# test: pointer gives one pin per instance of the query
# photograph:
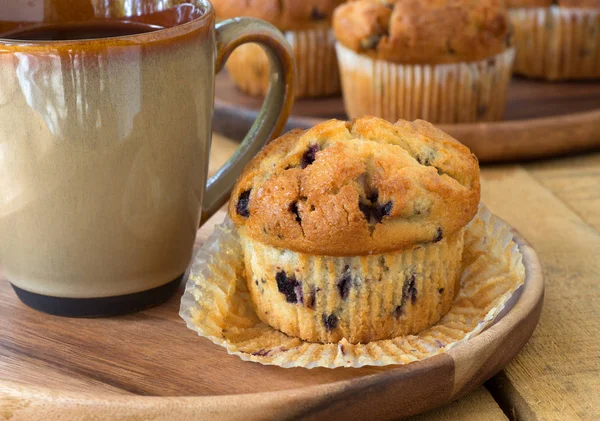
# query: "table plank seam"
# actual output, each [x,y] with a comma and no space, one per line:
[514,406]
[583,219]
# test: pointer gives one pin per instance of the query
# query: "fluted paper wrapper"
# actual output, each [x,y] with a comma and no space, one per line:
[359,298]
[557,43]
[439,93]
[217,305]
[316,64]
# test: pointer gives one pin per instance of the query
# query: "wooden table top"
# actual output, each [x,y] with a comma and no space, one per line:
[555,204]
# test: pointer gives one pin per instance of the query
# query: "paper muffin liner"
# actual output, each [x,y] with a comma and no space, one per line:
[440,93]
[557,43]
[316,64]
[217,305]
[361,298]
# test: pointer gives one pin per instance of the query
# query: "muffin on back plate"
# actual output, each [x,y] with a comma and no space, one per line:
[306,25]
[445,61]
[557,40]
[355,229]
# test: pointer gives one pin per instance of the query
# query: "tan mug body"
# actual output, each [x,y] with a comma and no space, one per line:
[104,147]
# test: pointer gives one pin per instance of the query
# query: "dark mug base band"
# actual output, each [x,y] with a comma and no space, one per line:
[98,307]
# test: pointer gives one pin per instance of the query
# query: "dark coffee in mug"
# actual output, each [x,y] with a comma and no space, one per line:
[78,31]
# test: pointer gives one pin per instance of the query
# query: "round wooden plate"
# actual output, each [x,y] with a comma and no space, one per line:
[542,119]
[150,366]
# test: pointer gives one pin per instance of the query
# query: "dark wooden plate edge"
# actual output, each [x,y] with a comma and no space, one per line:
[504,141]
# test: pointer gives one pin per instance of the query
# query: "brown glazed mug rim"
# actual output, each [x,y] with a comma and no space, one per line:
[165,34]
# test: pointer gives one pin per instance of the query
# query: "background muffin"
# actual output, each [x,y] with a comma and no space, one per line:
[557,39]
[355,230]
[307,27]
[446,61]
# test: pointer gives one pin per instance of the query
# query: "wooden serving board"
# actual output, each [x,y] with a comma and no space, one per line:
[150,366]
[542,119]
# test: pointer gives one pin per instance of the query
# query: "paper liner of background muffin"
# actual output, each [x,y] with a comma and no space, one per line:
[463,92]
[217,305]
[316,64]
[557,42]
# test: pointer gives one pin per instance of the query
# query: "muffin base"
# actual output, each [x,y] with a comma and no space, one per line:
[557,43]
[316,64]
[217,305]
[442,93]
[362,299]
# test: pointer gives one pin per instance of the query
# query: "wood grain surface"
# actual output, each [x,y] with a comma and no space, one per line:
[477,406]
[542,119]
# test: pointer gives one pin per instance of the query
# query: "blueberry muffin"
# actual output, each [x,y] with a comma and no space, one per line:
[306,25]
[355,230]
[557,39]
[445,61]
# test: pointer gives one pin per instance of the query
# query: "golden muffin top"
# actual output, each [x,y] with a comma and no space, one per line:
[357,188]
[584,4]
[423,31]
[284,14]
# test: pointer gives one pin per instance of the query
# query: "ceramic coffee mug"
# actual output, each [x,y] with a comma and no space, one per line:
[105,132]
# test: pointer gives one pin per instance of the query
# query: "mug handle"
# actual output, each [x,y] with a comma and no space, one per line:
[274,112]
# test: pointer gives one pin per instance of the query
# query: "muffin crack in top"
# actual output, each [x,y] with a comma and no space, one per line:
[357,188]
